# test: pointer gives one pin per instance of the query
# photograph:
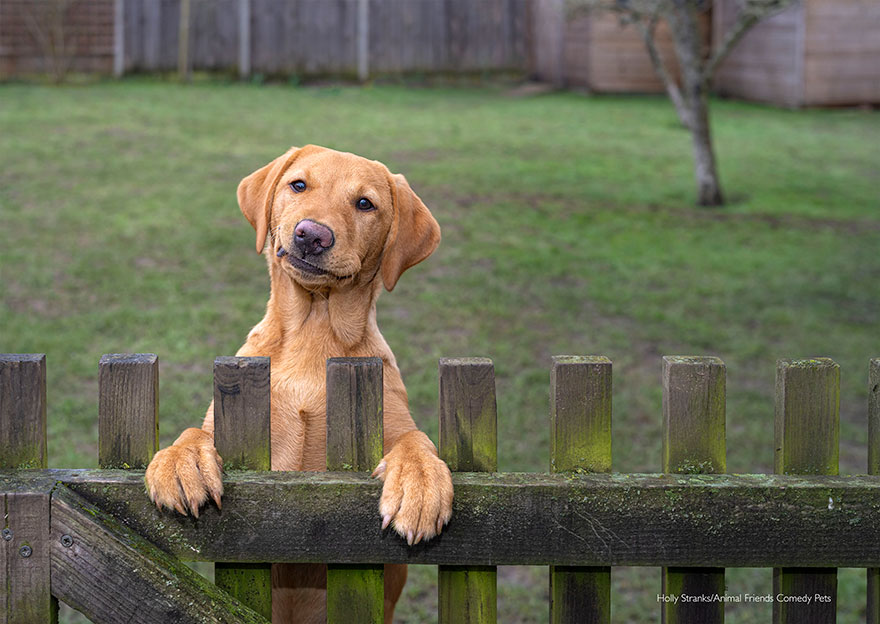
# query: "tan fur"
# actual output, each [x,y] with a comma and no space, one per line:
[310,318]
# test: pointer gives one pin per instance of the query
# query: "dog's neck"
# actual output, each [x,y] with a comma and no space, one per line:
[347,313]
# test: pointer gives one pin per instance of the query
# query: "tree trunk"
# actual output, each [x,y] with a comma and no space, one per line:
[682,20]
[708,187]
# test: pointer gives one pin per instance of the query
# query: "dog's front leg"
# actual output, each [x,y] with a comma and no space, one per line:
[183,475]
[417,492]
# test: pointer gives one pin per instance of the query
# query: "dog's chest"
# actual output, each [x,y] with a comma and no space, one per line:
[299,394]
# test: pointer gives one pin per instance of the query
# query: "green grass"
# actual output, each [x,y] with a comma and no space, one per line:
[568,225]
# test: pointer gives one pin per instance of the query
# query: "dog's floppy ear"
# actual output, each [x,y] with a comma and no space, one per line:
[257,192]
[414,234]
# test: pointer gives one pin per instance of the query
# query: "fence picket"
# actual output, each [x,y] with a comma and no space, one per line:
[468,443]
[128,410]
[355,593]
[580,440]
[242,416]
[99,512]
[24,549]
[873,610]
[806,434]
[694,390]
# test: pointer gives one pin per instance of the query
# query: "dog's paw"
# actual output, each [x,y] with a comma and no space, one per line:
[417,492]
[183,475]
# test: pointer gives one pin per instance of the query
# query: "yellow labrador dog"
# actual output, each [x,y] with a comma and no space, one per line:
[337,227]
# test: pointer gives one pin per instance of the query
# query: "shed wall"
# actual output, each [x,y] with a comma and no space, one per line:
[842,52]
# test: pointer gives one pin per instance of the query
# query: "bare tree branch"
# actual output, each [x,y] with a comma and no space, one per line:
[750,14]
[647,31]
[47,28]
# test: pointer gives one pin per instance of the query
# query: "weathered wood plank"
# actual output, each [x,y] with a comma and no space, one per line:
[580,441]
[22,410]
[807,430]
[242,412]
[242,424]
[118,38]
[355,593]
[354,414]
[28,587]
[467,593]
[468,441]
[873,608]
[580,414]
[694,415]
[694,411]
[468,419]
[128,410]
[244,38]
[24,573]
[114,575]
[654,519]
[5,537]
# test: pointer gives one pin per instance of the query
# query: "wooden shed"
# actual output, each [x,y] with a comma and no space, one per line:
[595,51]
[815,53]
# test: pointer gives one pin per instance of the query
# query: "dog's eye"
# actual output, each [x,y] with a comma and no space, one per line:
[364,204]
[298,186]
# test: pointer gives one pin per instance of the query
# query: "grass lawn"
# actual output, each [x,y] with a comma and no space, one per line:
[568,227]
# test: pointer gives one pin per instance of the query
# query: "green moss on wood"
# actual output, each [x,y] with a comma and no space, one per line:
[355,594]
[249,583]
[467,594]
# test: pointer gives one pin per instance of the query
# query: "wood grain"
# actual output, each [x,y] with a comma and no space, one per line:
[468,441]
[128,410]
[873,609]
[354,414]
[25,580]
[565,519]
[694,408]
[242,425]
[355,593]
[23,410]
[114,575]
[29,592]
[807,431]
[580,441]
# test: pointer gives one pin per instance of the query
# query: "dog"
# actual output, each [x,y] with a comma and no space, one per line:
[336,228]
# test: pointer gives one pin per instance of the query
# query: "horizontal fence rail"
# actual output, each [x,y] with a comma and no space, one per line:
[93,539]
[511,519]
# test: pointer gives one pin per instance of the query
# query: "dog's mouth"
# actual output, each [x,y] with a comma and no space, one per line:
[303,265]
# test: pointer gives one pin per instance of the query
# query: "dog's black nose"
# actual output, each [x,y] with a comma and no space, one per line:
[312,238]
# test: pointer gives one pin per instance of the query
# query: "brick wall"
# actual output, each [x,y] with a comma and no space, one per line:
[56,35]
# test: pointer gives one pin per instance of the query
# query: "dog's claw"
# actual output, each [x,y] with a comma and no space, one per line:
[386,520]
[419,537]
[380,470]
[409,538]
[439,525]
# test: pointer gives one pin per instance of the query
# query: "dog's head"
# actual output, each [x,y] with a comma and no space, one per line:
[333,218]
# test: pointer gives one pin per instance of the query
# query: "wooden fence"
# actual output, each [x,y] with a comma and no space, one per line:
[92,538]
[328,37]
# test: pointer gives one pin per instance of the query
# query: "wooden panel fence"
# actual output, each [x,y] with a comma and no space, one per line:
[328,37]
[93,539]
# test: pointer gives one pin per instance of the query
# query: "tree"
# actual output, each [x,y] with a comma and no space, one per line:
[690,93]
[47,22]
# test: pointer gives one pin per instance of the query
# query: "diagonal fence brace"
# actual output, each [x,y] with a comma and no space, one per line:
[113,575]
